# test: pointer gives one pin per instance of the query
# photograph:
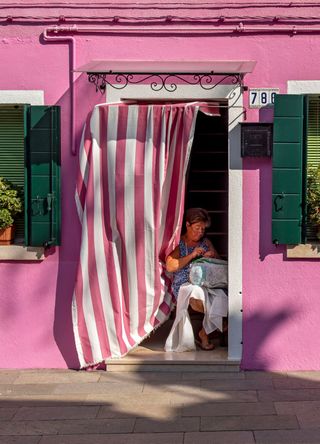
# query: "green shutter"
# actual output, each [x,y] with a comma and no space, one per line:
[288,169]
[12,152]
[43,176]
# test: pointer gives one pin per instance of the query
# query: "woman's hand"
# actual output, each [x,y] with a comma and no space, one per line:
[209,254]
[197,252]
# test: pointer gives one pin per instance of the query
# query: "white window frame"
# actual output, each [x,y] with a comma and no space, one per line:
[301,251]
[19,252]
[235,205]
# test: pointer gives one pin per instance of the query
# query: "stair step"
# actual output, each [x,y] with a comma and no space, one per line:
[173,366]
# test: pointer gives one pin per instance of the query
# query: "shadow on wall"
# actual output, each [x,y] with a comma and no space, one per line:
[86,99]
[264,325]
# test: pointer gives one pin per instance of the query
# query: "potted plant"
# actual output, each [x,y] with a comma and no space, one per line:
[10,206]
[313,198]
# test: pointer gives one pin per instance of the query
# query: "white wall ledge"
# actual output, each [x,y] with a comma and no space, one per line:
[21,253]
[304,251]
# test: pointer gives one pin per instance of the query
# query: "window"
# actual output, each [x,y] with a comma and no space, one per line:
[296,148]
[30,159]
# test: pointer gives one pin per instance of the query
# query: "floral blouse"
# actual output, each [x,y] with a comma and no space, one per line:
[182,276]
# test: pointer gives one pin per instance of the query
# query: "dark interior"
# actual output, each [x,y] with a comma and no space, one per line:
[207,178]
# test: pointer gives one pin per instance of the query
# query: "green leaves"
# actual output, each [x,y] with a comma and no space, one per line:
[313,195]
[10,203]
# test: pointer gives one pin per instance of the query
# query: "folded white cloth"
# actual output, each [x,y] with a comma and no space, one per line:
[215,301]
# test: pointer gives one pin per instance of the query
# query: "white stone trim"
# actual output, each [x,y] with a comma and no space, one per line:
[221,92]
[303,87]
[31,97]
[21,253]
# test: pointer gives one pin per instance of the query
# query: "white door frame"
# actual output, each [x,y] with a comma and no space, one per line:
[235,116]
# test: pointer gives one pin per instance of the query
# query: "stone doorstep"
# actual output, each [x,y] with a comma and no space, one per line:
[134,365]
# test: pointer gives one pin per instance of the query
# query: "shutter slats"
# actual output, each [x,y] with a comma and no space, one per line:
[313,146]
[12,152]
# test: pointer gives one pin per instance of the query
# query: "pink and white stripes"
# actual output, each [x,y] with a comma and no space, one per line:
[130,200]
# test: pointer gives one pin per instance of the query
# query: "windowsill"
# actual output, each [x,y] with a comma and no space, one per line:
[21,253]
[307,251]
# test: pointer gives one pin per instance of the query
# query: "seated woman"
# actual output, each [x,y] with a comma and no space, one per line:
[193,245]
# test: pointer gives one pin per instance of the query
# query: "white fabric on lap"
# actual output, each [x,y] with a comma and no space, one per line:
[215,301]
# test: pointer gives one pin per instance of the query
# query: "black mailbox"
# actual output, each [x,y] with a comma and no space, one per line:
[256,139]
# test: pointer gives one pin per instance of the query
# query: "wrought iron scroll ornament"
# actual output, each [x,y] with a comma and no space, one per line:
[168,82]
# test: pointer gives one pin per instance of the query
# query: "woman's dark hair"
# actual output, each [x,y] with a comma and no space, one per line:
[194,215]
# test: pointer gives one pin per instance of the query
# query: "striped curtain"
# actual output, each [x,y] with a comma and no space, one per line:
[130,200]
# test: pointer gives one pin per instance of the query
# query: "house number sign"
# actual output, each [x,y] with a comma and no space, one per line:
[259,97]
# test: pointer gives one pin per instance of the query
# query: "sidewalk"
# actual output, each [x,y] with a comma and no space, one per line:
[70,407]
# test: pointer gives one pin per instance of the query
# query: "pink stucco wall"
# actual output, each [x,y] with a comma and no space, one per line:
[280,297]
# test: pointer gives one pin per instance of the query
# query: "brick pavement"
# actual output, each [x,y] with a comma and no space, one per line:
[70,407]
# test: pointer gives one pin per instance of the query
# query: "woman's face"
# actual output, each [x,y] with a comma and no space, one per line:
[196,230]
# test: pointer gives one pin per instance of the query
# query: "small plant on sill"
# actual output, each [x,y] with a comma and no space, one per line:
[313,197]
[10,206]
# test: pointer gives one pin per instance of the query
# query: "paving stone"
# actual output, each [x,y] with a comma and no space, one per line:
[255,384]
[218,438]
[112,425]
[264,375]
[229,409]
[7,413]
[141,410]
[102,387]
[176,425]
[32,389]
[29,427]
[190,376]
[262,422]
[59,412]
[56,378]
[287,437]
[295,383]
[66,427]
[127,399]
[195,395]
[309,420]
[307,412]
[20,439]
[123,377]
[289,395]
[296,407]
[151,386]
[42,400]
[136,438]
[217,396]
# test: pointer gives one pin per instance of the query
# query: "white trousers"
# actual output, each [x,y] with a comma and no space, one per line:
[215,302]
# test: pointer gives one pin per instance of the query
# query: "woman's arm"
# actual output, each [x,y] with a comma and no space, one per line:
[212,252]
[174,262]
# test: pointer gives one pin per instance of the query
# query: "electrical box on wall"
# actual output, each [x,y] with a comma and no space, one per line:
[256,139]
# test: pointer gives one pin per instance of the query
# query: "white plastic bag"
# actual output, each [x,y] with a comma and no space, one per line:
[209,272]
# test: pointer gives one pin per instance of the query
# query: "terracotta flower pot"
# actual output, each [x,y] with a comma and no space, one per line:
[7,235]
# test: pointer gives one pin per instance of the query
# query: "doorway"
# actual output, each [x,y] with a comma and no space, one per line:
[232,110]
[206,187]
